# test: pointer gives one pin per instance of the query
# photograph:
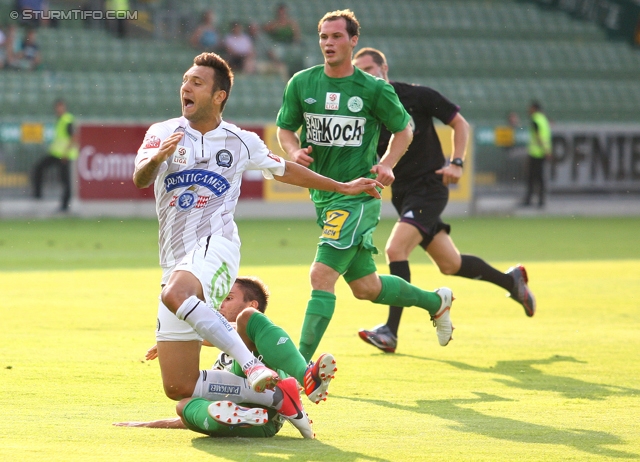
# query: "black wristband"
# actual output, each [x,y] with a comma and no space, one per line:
[457,161]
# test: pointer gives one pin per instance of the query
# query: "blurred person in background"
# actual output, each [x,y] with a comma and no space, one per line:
[4,55]
[120,7]
[420,194]
[266,60]
[539,150]
[28,56]
[285,39]
[206,37]
[239,50]
[34,21]
[62,151]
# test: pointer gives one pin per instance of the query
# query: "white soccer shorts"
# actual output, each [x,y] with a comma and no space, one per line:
[214,261]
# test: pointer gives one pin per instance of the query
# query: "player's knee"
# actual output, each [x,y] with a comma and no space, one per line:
[364,293]
[395,253]
[180,406]
[172,297]
[448,268]
[178,392]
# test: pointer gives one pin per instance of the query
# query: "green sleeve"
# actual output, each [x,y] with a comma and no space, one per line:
[390,111]
[290,116]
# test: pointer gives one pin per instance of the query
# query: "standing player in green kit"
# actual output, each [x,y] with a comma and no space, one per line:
[340,109]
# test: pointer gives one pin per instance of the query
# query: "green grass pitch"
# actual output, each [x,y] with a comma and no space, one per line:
[78,313]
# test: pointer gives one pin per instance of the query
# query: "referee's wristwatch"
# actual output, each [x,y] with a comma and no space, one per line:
[457,161]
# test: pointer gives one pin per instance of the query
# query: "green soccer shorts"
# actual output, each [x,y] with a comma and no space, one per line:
[346,242]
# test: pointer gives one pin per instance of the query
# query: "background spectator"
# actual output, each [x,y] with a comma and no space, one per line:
[206,37]
[283,28]
[539,151]
[4,58]
[62,151]
[286,40]
[41,6]
[120,24]
[28,56]
[266,60]
[240,52]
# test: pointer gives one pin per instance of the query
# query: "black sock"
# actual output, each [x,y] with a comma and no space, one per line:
[473,267]
[400,269]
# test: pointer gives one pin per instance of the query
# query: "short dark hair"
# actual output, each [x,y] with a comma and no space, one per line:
[353,26]
[535,104]
[252,289]
[378,57]
[222,73]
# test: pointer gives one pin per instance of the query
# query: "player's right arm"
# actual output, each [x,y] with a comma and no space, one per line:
[290,118]
[290,143]
[147,168]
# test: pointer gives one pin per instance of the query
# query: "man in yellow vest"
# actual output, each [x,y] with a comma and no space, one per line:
[539,150]
[62,151]
[120,9]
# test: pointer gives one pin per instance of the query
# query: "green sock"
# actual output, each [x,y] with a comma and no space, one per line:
[275,346]
[319,313]
[197,417]
[398,292]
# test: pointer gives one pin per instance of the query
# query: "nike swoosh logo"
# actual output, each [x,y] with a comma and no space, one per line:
[295,405]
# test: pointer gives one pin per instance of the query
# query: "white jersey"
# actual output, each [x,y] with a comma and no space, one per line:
[197,188]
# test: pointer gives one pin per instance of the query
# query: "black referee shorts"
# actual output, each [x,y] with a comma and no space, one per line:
[420,202]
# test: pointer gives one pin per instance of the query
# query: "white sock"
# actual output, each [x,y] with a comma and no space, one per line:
[215,385]
[213,327]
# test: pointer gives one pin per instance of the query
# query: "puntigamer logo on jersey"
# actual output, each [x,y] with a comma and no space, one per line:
[215,183]
[325,130]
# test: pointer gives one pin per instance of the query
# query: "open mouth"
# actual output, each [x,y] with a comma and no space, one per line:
[187,103]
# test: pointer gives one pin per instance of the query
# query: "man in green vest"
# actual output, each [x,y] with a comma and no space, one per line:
[539,150]
[62,151]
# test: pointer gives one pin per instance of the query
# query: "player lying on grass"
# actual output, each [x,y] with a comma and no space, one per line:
[246,304]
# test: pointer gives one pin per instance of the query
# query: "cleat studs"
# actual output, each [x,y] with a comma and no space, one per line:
[217,416]
[228,420]
[218,404]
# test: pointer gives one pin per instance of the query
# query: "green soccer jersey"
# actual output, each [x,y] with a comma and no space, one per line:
[340,119]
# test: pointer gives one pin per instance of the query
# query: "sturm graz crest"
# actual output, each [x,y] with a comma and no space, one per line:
[186,201]
[224,158]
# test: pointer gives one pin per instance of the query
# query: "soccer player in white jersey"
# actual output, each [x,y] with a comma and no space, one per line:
[196,162]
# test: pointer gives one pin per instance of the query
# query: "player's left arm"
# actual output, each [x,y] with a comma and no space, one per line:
[398,145]
[452,173]
[298,175]
[388,109]
[175,423]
